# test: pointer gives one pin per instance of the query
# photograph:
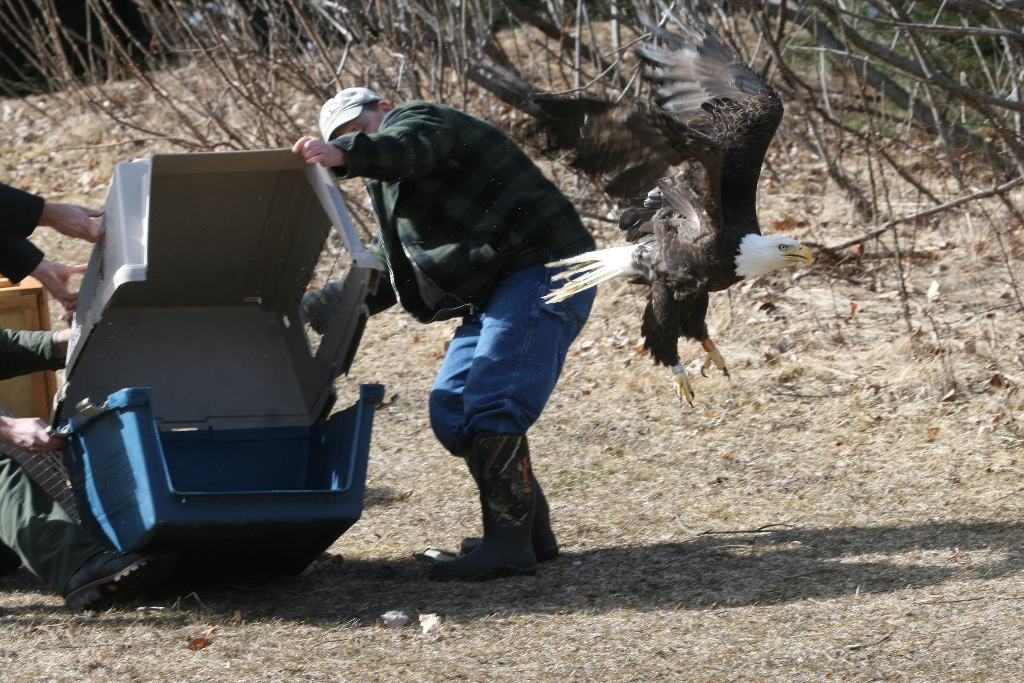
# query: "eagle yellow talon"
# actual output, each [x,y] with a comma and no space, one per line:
[713,357]
[681,383]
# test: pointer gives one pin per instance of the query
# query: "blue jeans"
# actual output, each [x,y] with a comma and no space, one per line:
[503,362]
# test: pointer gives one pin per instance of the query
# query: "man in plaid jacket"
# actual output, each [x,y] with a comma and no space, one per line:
[466,223]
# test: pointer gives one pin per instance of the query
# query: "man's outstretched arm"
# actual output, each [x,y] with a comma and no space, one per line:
[413,143]
[23,352]
[415,140]
[21,212]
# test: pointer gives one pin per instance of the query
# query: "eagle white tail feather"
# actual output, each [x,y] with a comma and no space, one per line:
[591,269]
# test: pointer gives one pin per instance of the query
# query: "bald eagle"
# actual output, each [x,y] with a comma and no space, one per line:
[694,230]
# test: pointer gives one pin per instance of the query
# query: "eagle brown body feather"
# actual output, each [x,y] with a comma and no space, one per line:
[712,117]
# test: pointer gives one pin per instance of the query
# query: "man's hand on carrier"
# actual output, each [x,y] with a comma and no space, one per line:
[62,338]
[316,151]
[72,220]
[28,433]
[55,277]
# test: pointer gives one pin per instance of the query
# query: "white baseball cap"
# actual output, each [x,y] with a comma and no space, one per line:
[343,107]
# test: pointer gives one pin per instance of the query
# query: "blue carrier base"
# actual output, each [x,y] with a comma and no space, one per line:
[240,502]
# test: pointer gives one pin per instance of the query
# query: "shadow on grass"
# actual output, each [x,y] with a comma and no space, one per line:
[381,496]
[722,570]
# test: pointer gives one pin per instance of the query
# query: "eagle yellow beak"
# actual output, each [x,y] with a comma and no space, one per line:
[802,254]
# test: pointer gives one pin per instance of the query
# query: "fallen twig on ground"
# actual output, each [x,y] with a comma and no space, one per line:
[881,640]
[766,529]
[994,598]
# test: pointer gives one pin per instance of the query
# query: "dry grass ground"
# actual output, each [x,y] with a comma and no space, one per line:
[821,515]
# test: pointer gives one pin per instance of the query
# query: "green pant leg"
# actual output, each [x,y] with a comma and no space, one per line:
[51,544]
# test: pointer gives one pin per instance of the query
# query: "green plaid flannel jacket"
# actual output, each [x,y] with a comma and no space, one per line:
[459,208]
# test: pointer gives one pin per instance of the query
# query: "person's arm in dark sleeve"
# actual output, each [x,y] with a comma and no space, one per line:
[24,352]
[20,211]
[415,141]
[18,257]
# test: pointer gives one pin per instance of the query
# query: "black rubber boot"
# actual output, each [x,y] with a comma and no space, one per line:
[107,575]
[545,546]
[500,464]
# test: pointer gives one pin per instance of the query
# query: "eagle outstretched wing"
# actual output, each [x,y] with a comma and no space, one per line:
[712,91]
[709,107]
[632,145]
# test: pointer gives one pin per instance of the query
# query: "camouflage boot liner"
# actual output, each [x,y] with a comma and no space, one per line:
[500,464]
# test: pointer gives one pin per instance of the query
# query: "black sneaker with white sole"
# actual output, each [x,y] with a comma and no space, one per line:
[108,575]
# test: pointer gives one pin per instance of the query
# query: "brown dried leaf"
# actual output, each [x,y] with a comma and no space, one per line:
[784,225]
[199,643]
[236,616]
[997,380]
[205,638]
[933,432]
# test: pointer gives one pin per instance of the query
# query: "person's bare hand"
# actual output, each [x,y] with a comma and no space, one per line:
[28,433]
[55,277]
[316,151]
[62,338]
[72,220]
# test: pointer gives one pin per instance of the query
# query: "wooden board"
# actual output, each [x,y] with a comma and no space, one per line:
[24,307]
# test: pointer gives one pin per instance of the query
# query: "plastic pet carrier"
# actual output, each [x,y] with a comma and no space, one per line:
[196,399]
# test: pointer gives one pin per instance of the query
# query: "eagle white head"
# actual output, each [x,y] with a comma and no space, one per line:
[759,255]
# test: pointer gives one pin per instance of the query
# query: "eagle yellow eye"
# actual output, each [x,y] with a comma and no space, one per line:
[783,247]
